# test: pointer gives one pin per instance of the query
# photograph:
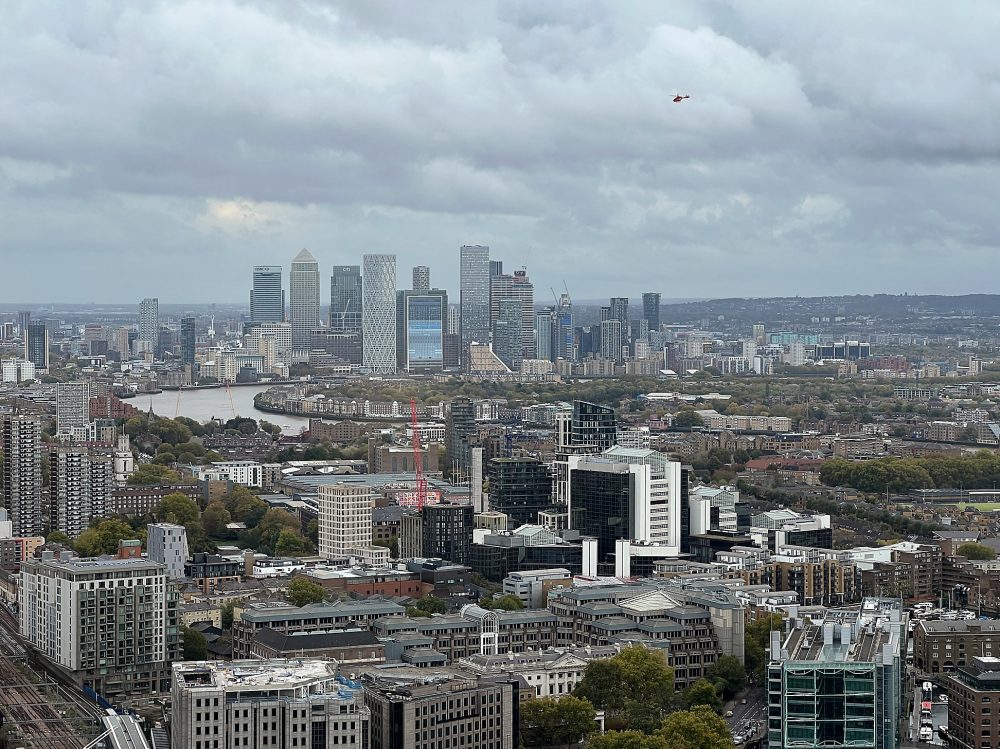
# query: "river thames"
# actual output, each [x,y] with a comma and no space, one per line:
[202,405]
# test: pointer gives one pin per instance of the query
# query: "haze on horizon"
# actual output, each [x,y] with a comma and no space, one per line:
[163,149]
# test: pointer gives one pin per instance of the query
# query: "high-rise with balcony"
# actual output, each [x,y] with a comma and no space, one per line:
[108,622]
[345,519]
[507,338]
[188,340]
[378,317]
[22,474]
[72,405]
[267,297]
[80,488]
[303,299]
[149,321]
[474,295]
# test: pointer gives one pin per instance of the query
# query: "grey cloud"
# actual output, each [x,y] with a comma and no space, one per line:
[822,146]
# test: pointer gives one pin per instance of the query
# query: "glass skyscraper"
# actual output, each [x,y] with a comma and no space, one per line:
[507,333]
[420,322]
[651,309]
[474,297]
[345,299]
[267,298]
[378,315]
[303,298]
[187,340]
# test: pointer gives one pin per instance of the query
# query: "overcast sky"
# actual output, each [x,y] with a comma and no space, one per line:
[161,149]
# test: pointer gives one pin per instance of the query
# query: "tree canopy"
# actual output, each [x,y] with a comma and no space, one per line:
[756,641]
[636,686]
[103,537]
[195,645]
[556,722]
[976,551]
[703,692]
[302,592]
[508,602]
[177,508]
[728,675]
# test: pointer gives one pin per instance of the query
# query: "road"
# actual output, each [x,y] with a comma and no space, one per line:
[754,711]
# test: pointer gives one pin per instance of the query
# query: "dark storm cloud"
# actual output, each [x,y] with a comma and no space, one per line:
[826,148]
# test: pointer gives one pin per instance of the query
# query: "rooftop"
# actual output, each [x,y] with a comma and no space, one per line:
[253,674]
[854,635]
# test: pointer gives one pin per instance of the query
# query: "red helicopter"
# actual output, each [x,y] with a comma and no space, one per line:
[680,97]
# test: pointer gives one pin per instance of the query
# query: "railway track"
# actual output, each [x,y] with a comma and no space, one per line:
[32,705]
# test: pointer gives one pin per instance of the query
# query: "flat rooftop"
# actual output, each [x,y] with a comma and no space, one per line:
[854,635]
[253,674]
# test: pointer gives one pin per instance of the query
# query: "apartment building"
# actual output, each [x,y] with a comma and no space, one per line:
[973,693]
[107,622]
[941,647]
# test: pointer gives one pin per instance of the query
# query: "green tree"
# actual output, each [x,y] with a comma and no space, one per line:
[291,544]
[267,533]
[976,551]
[431,604]
[756,641]
[703,692]
[244,506]
[557,722]
[228,609]
[215,518]
[58,537]
[508,602]
[302,592]
[636,686]
[195,645]
[728,674]
[697,728]
[626,740]
[103,537]
[177,508]
[150,474]
[688,418]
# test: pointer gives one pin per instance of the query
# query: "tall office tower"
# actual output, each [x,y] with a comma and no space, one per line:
[421,278]
[378,315]
[651,309]
[543,334]
[460,429]
[149,320]
[36,345]
[758,333]
[164,343]
[627,494]
[836,679]
[345,520]
[619,312]
[303,299]
[22,474]
[167,544]
[507,342]
[420,321]
[72,405]
[267,297]
[345,299]
[563,346]
[188,339]
[520,488]
[116,626]
[454,319]
[80,488]
[285,705]
[23,318]
[496,268]
[474,295]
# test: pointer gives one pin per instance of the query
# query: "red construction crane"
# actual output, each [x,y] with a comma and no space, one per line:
[418,467]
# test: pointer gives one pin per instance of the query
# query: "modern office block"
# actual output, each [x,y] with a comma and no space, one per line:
[459,432]
[345,299]
[303,298]
[420,321]
[36,345]
[188,340]
[520,488]
[267,297]
[378,316]
[345,520]
[446,532]
[507,341]
[421,278]
[651,309]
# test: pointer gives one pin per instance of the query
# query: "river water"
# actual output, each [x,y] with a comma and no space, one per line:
[202,405]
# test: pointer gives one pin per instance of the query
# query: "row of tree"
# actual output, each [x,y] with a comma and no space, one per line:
[978,471]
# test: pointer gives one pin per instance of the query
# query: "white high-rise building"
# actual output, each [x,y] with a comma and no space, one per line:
[279,332]
[167,544]
[378,314]
[20,440]
[111,622]
[279,704]
[345,520]
[149,321]
[303,299]
[17,370]
[421,278]
[72,405]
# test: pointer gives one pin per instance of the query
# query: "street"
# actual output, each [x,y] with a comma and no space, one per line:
[753,712]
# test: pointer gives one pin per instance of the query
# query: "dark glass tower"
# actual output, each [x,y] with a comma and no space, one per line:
[593,426]
[651,309]
[519,488]
[345,299]
[446,532]
[187,340]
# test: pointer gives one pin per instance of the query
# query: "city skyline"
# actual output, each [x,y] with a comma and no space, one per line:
[555,142]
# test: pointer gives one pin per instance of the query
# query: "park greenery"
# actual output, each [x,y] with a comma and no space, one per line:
[507,602]
[978,471]
[550,721]
[756,641]
[697,728]
[979,552]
